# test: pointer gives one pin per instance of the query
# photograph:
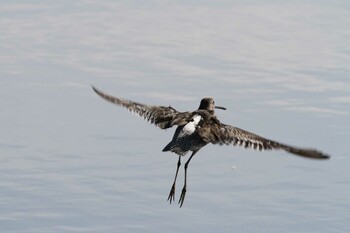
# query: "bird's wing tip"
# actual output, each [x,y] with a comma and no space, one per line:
[314,155]
[324,156]
[97,90]
[93,87]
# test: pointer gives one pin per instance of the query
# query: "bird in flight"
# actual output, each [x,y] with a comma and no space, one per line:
[197,129]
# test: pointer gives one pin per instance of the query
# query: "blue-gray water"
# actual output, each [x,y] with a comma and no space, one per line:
[71,162]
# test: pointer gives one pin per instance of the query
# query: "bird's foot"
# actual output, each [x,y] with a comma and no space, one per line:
[171,196]
[182,197]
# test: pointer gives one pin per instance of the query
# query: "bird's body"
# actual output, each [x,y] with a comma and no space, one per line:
[186,138]
[198,128]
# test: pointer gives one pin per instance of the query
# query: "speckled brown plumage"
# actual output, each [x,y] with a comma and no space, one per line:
[200,127]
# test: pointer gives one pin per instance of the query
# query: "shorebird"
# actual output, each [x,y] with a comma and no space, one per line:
[197,129]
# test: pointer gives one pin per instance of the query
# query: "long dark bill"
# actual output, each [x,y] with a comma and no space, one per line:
[219,107]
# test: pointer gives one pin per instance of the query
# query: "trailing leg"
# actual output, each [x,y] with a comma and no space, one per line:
[171,196]
[183,192]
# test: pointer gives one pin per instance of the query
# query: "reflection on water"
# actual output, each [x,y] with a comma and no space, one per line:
[70,162]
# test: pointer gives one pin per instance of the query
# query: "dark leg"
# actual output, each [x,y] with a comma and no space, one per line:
[183,192]
[171,196]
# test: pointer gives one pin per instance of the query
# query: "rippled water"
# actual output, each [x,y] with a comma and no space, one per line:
[70,162]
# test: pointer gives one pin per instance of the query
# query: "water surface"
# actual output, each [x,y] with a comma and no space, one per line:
[70,162]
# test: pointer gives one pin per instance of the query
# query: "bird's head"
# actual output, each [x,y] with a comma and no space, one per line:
[209,104]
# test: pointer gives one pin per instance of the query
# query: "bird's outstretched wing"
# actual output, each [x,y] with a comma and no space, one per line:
[163,117]
[227,134]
